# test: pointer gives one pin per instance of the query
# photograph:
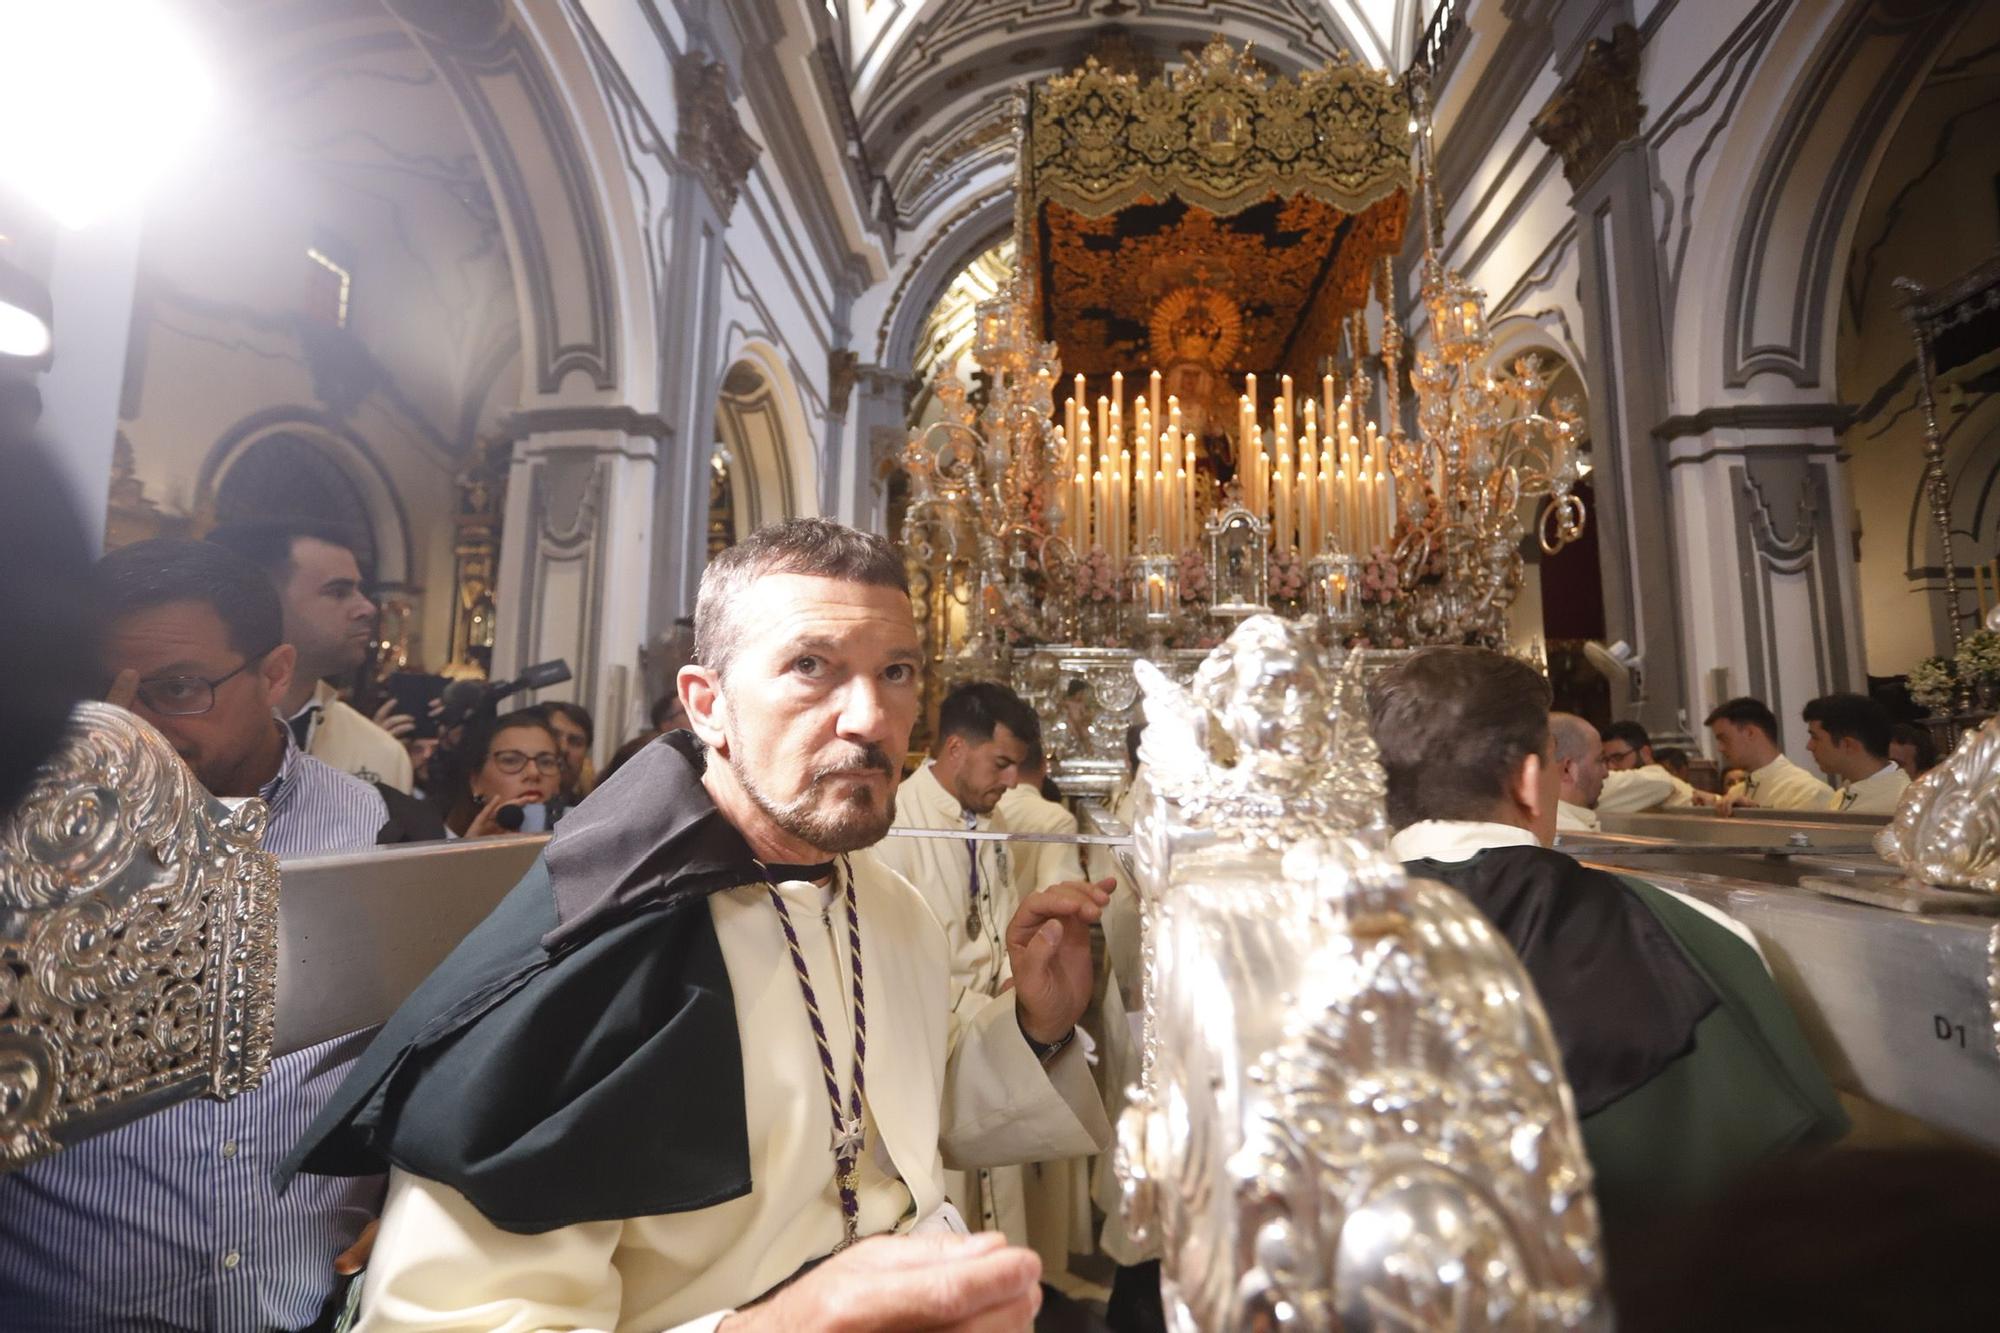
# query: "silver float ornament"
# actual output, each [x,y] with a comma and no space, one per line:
[1352,1114]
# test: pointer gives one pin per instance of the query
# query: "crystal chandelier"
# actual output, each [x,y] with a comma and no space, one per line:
[976,524]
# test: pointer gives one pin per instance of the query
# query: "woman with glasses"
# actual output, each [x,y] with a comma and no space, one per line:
[511,762]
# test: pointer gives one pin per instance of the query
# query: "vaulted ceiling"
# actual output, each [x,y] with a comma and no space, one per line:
[933,80]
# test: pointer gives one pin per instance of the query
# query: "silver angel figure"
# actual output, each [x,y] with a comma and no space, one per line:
[1352,1113]
[1946,832]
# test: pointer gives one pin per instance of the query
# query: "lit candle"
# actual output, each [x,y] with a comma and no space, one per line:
[1104,424]
[1124,503]
[1309,496]
[1183,511]
[1153,396]
[1188,528]
[1102,498]
[1282,523]
[1146,528]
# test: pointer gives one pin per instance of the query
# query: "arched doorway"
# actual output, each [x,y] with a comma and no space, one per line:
[288,474]
[762,444]
[1918,221]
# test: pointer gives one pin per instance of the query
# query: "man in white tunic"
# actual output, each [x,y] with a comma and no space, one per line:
[1580,766]
[1746,736]
[984,733]
[1634,780]
[1848,737]
[705,1044]
[1024,809]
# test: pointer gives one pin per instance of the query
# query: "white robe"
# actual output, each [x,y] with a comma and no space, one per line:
[1650,787]
[941,870]
[1877,794]
[352,743]
[1574,818]
[1783,785]
[968,1094]
[1038,865]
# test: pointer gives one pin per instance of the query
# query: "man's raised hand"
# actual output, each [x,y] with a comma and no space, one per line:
[1048,943]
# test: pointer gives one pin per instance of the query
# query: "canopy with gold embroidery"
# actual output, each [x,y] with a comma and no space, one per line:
[1218,215]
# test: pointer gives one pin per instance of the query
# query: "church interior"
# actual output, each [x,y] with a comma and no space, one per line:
[1264,406]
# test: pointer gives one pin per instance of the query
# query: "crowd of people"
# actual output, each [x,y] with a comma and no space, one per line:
[737,1053]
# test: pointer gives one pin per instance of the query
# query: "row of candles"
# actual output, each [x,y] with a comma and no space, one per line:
[1317,482]
[1324,486]
[1124,501]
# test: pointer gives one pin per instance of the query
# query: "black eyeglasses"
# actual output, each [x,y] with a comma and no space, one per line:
[190,696]
[513,761]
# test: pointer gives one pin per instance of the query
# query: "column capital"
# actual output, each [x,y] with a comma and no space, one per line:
[1597,106]
[712,141]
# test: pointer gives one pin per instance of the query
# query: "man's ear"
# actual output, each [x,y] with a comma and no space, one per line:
[707,712]
[1525,787]
[276,671]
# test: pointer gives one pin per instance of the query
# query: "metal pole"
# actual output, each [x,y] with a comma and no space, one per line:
[1935,477]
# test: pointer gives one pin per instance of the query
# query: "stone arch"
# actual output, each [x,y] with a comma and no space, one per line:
[328,452]
[761,422]
[535,97]
[956,244]
[1759,300]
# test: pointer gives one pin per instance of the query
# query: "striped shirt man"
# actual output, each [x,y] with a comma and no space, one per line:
[171,1222]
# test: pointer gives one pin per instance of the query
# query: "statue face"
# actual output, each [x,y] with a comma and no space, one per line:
[1260,695]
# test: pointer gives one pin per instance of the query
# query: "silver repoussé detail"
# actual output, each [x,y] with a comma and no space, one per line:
[138,938]
[1946,832]
[1352,1113]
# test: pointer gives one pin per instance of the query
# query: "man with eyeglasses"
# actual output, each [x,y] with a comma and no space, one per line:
[1634,780]
[171,1222]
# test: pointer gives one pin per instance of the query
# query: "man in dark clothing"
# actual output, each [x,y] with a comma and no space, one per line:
[1686,1064]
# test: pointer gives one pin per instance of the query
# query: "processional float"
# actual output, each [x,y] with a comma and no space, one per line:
[1235,229]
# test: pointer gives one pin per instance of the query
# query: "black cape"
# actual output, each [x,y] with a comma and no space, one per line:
[576,1058]
[1620,993]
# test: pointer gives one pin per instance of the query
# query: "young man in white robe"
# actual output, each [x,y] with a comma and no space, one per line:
[704,1046]
[1848,737]
[985,731]
[1746,737]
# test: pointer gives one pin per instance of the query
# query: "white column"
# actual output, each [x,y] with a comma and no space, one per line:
[1765,556]
[91,284]
[576,556]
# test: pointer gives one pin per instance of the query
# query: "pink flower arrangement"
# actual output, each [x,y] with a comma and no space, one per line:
[1288,575]
[1193,576]
[1096,579]
[1379,580]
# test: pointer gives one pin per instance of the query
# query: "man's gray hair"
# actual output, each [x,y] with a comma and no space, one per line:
[1574,736]
[818,547]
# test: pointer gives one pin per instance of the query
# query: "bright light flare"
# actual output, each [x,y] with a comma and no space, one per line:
[97,98]
[22,332]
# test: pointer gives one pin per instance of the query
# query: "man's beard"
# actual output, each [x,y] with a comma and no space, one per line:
[848,824]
